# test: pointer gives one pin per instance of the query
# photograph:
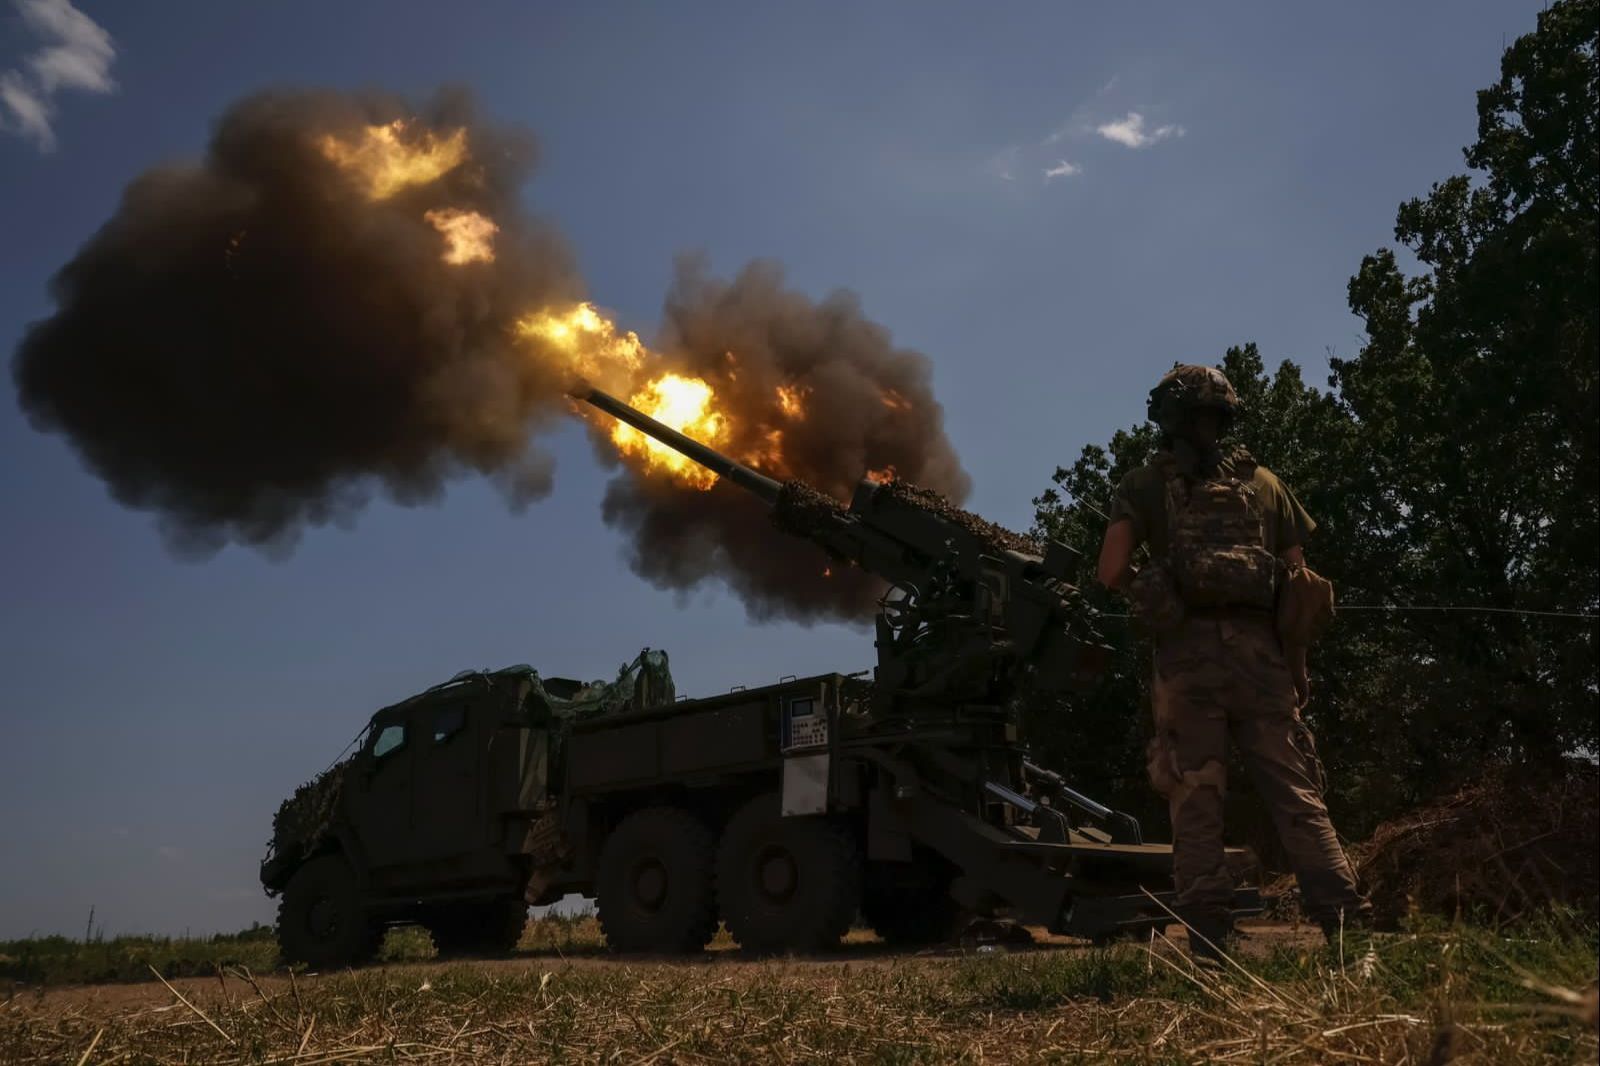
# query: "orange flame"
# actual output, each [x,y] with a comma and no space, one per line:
[883,475]
[894,401]
[584,342]
[587,344]
[791,401]
[576,340]
[385,160]
[687,405]
[468,236]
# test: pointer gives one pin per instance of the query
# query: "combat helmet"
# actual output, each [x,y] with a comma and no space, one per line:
[1187,387]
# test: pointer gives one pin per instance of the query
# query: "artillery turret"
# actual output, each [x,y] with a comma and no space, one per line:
[974,613]
[974,617]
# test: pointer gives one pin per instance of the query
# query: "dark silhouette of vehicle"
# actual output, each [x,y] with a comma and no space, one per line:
[782,812]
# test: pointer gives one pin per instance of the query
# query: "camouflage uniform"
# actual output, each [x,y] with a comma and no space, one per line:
[1221,672]
[1220,677]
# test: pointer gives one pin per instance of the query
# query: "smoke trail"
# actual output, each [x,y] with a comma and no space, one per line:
[841,399]
[253,340]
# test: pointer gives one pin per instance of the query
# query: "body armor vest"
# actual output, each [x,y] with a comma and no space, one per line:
[1217,552]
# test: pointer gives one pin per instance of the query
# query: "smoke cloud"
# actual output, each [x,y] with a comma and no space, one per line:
[252,342]
[862,405]
[335,300]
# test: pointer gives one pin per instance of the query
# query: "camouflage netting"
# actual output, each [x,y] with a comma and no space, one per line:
[302,817]
[1509,847]
[645,682]
[802,510]
[995,538]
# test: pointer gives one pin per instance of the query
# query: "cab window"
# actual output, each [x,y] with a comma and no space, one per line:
[447,722]
[390,739]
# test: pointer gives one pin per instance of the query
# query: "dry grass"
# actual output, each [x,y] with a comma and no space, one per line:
[1424,997]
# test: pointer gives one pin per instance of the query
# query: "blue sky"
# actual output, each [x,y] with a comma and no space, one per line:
[156,711]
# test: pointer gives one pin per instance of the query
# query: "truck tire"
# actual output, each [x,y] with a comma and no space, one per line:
[321,920]
[478,927]
[786,884]
[908,904]
[653,885]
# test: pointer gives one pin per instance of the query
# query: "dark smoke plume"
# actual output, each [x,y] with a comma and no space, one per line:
[867,406]
[250,343]
[256,341]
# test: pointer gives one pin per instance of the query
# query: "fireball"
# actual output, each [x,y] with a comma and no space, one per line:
[685,404]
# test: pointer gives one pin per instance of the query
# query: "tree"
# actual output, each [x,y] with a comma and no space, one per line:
[1476,397]
[1452,463]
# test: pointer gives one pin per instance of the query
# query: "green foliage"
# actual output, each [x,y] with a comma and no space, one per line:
[1452,462]
[57,960]
[406,943]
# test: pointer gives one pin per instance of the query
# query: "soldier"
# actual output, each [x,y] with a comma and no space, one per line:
[1226,539]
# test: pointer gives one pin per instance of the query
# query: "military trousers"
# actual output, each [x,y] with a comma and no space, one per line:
[1225,676]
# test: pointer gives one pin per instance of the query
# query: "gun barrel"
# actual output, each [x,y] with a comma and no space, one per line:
[750,480]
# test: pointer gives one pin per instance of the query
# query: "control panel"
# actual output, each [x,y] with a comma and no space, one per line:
[805,724]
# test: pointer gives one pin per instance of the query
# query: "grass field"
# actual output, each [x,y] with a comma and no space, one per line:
[1427,996]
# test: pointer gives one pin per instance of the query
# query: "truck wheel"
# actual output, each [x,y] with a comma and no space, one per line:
[908,904]
[481,927]
[786,884]
[654,883]
[321,921]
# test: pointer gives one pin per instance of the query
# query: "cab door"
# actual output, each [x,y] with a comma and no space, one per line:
[379,788]
[448,803]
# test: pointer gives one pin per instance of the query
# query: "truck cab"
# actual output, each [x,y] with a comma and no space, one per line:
[425,822]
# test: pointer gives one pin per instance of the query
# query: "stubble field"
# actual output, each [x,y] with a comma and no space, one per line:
[1430,995]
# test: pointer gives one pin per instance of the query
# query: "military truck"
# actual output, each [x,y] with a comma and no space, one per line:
[782,811]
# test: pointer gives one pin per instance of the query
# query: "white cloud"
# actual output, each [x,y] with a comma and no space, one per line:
[29,112]
[1063,169]
[1129,130]
[76,55]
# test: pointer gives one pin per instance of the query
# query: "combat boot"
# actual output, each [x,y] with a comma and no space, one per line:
[1211,934]
[1347,923]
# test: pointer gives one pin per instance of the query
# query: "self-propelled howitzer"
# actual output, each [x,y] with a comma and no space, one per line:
[781,810]
[974,612]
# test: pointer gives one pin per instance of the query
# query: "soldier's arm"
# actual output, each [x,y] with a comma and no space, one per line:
[1297,524]
[1125,531]
[1116,553]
